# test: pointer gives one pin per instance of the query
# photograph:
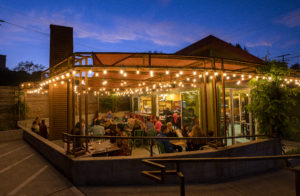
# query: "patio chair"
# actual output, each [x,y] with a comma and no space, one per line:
[151,133]
[137,133]
[161,147]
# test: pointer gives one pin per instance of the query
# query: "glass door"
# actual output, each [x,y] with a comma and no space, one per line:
[237,114]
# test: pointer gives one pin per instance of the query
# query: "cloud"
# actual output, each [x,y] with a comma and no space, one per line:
[290,43]
[163,33]
[259,43]
[292,19]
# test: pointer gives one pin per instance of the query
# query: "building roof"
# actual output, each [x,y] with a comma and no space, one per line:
[212,46]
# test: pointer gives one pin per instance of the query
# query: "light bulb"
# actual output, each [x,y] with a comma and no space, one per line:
[90,71]
[121,71]
[137,71]
[151,73]
[194,73]
[216,73]
[167,72]
[206,73]
[97,74]
[177,75]
[181,72]
[125,74]
[104,71]
[234,75]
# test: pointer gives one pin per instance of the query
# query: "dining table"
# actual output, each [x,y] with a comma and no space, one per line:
[103,148]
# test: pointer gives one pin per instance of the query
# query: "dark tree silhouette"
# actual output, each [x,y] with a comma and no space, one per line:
[29,67]
[296,66]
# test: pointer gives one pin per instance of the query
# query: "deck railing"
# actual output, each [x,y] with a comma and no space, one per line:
[70,139]
[159,175]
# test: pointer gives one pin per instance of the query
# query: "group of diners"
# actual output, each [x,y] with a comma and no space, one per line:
[39,126]
[110,125]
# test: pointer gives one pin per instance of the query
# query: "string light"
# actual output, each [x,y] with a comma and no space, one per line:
[151,72]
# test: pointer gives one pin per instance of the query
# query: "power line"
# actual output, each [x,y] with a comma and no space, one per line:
[42,33]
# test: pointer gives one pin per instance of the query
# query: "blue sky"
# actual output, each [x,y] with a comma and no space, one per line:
[264,27]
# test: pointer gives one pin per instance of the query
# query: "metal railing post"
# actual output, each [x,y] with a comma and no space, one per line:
[297,179]
[74,145]
[68,144]
[151,147]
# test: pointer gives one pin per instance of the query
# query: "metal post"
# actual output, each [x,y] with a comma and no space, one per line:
[73,102]
[68,107]
[86,99]
[151,147]
[205,105]
[297,180]
[80,95]
[74,141]
[232,115]
[182,188]
[68,144]
[224,105]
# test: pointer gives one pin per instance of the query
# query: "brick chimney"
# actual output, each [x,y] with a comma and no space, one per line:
[61,43]
[2,61]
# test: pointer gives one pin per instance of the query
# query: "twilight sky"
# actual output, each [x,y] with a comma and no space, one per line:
[264,27]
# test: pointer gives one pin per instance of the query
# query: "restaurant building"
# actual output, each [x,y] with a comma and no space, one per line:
[205,83]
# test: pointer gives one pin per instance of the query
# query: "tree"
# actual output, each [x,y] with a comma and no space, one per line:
[272,101]
[29,67]
[296,66]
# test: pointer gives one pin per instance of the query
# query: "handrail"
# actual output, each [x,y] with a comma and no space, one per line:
[157,163]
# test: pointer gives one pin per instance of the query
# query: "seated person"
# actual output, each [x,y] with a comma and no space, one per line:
[169,147]
[149,125]
[170,130]
[195,144]
[109,115]
[186,130]
[35,127]
[125,118]
[77,131]
[123,144]
[43,129]
[97,129]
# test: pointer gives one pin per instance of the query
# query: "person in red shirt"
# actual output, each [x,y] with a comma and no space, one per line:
[157,123]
